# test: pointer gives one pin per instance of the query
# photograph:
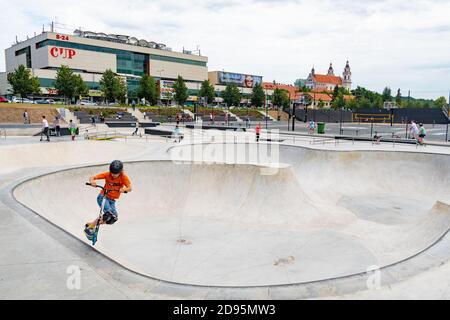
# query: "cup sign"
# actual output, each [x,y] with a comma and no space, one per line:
[64,53]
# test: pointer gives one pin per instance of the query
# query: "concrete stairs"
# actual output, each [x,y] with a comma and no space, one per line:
[267,115]
[231,114]
[137,114]
[68,115]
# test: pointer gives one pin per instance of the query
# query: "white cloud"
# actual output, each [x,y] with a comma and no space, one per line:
[397,43]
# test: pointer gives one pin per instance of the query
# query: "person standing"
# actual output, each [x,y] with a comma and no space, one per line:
[26,120]
[135,132]
[414,131]
[45,129]
[176,135]
[72,129]
[57,127]
[312,126]
[422,133]
[258,131]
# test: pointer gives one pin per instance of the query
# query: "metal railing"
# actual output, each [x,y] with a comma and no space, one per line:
[110,135]
[446,111]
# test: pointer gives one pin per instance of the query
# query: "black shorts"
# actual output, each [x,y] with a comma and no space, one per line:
[422,135]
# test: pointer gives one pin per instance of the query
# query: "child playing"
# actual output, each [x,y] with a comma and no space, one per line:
[177,134]
[422,133]
[116,182]
[258,131]
[312,126]
[72,129]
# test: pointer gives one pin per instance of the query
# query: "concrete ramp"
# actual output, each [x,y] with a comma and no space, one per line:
[236,225]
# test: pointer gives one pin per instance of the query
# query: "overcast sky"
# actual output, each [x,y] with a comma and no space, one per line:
[398,43]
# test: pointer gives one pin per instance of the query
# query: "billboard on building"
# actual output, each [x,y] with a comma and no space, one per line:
[241,80]
[166,89]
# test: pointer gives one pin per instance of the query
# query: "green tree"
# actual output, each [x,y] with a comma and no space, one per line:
[335,93]
[364,103]
[387,94]
[280,98]
[304,88]
[339,102]
[64,82]
[180,91]
[231,95]
[320,104]
[207,91]
[120,89]
[398,98]
[257,97]
[109,85]
[376,101]
[440,102]
[23,83]
[81,88]
[148,89]
[352,104]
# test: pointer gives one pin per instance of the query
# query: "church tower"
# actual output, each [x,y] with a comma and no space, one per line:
[330,70]
[347,77]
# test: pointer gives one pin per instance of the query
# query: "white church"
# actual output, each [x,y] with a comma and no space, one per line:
[327,82]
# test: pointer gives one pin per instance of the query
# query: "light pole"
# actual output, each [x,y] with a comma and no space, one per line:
[160,83]
[266,109]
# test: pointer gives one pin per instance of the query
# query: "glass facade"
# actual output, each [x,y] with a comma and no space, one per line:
[123,56]
[50,83]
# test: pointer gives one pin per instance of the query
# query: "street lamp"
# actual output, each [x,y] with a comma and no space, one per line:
[266,109]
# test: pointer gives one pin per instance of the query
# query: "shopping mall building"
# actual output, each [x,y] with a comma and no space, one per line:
[90,54]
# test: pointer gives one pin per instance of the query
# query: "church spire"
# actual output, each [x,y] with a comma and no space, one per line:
[330,70]
[347,77]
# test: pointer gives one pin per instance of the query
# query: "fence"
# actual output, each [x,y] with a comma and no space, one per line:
[373,117]
[400,115]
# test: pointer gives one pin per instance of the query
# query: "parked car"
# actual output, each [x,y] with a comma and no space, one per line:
[41,101]
[87,103]
[4,100]
[20,100]
[51,101]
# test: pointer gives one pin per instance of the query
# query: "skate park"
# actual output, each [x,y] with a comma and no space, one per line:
[219,216]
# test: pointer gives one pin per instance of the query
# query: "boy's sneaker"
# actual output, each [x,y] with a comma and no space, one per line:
[89,232]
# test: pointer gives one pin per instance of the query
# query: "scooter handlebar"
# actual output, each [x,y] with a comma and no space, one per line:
[89,184]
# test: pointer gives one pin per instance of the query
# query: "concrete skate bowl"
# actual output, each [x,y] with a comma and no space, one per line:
[323,216]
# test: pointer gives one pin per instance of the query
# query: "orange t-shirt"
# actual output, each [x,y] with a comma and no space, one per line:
[114,184]
[258,129]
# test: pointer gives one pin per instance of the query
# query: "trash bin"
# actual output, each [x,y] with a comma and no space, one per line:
[321,127]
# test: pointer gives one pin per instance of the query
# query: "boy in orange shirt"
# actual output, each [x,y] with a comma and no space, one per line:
[116,182]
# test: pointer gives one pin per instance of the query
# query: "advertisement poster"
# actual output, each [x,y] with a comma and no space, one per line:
[241,80]
[166,89]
